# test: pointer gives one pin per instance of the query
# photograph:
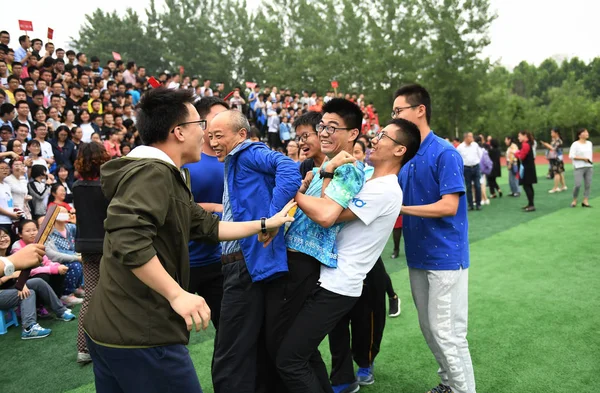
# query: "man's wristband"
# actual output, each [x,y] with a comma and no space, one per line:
[263,225]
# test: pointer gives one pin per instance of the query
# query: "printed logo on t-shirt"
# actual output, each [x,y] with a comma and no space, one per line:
[358,202]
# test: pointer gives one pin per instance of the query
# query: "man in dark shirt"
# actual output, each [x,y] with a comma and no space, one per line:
[75,98]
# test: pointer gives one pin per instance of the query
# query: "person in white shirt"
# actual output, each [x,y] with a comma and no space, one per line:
[41,131]
[369,220]
[471,154]
[582,153]
[206,91]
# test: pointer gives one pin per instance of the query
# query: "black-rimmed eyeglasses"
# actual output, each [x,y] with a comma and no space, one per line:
[330,129]
[201,122]
[397,111]
[381,134]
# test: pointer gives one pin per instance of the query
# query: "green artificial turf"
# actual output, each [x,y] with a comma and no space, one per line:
[534,321]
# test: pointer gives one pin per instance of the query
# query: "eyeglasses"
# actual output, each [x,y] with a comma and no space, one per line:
[202,123]
[381,134]
[397,111]
[330,129]
[304,137]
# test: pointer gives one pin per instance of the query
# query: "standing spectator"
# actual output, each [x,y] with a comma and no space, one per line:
[205,90]
[64,151]
[273,129]
[471,154]
[62,178]
[18,187]
[129,73]
[39,189]
[284,131]
[23,117]
[527,172]
[434,209]
[22,54]
[582,153]
[69,119]
[555,156]
[512,163]
[8,214]
[91,204]
[494,153]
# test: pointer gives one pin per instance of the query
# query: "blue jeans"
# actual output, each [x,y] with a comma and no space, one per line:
[473,176]
[162,369]
[513,182]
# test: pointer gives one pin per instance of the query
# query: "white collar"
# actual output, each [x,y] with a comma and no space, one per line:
[151,152]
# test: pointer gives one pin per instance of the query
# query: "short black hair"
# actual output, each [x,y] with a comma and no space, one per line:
[78,55]
[204,105]
[580,131]
[416,94]
[95,59]
[347,110]
[12,77]
[6,108]
[311,118]
[48,44]
[21,102]
[70,52]
[22,39]
[160,110]
[37,93]
[409,135]
[33,41]
[130,64]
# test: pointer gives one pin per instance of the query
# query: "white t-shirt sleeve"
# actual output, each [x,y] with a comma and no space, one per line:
[367,205]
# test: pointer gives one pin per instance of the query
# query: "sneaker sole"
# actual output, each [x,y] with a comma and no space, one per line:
[395,314]
[34,337]
[365,383]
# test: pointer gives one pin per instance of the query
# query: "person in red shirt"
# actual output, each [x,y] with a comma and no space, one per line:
[527,173]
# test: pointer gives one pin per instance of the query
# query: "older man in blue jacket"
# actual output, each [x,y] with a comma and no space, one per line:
[258,181]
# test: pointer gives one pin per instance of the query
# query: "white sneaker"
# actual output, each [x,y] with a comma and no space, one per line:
[71,300]
[565,188]
[552,191]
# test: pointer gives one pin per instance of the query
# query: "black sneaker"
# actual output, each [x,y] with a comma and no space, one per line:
[394,310]
[395,254]
[441,389]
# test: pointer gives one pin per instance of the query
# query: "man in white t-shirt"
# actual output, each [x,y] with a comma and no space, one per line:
[369,220]
[46,148]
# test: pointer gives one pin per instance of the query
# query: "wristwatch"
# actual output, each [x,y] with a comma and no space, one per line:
[325,175]
[9,268]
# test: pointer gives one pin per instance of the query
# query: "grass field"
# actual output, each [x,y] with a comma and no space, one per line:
[534,311]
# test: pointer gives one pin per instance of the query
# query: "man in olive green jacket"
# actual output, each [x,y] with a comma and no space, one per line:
[140,315]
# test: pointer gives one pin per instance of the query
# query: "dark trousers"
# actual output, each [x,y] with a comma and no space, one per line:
[56,282]
[530,194]
[367,321]
[473,176]
[389,287]
[298,360]
[160,369]
[285,297]
[493,184]
[274,141]
[207,281]
[240,358]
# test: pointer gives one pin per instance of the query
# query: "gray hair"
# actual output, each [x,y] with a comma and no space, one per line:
[238,121]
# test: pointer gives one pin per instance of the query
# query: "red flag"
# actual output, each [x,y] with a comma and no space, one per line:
[25,25]
[50,33]
[250,85]
[153,82]
[334,84]
[116,56]
[181,69]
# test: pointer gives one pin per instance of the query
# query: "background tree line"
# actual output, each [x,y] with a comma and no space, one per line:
[368,46]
